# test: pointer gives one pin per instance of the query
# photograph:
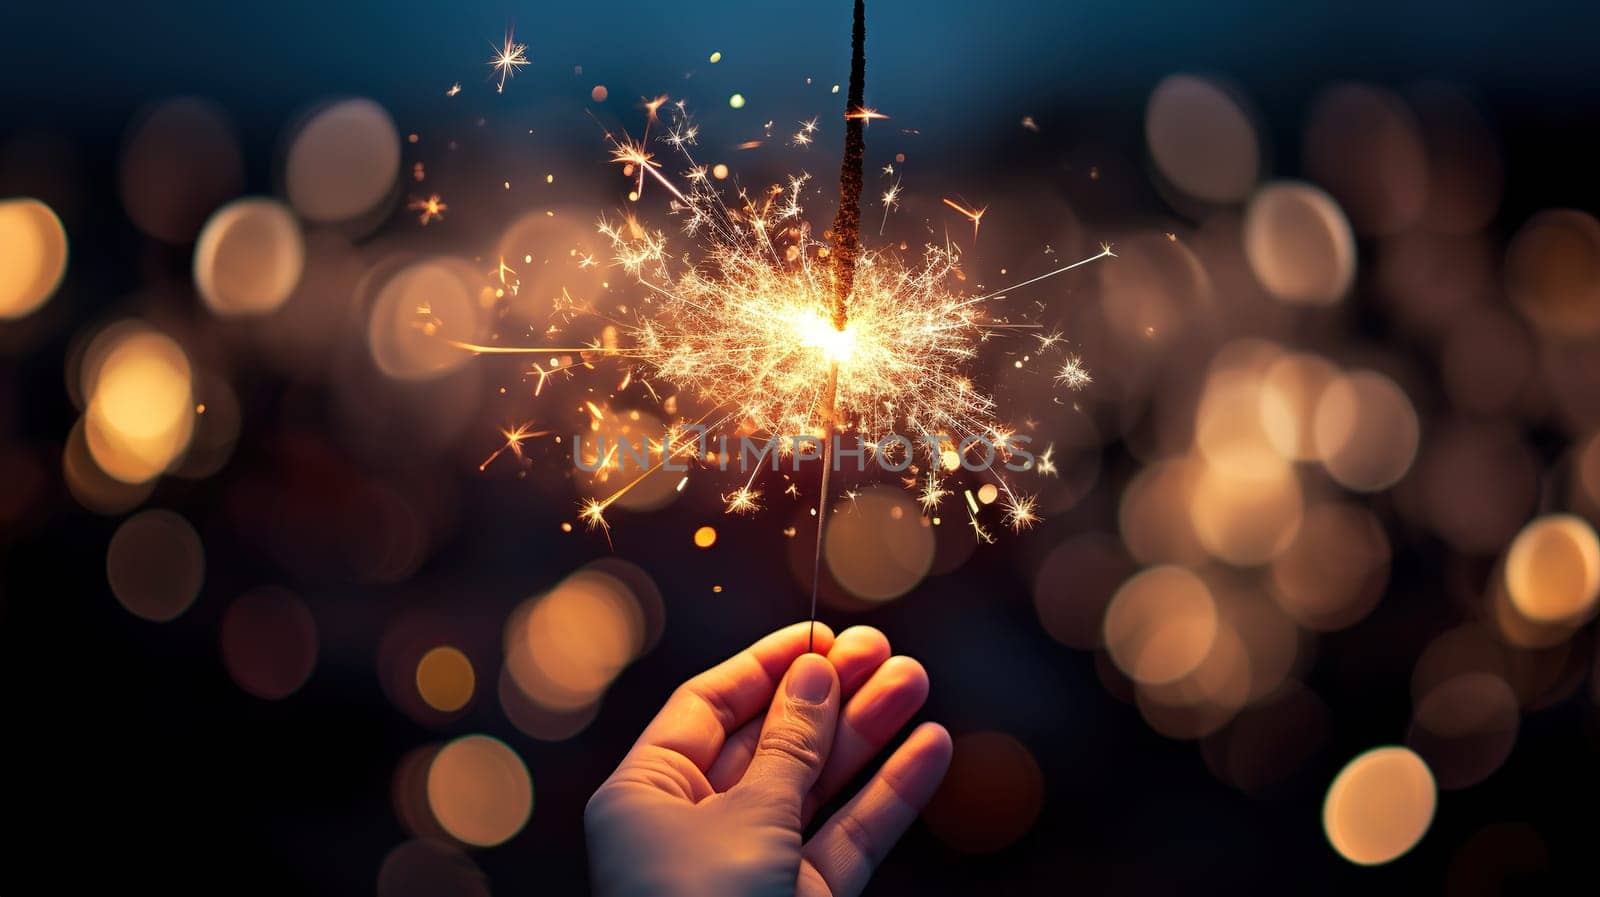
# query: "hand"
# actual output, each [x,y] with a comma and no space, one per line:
[714,797]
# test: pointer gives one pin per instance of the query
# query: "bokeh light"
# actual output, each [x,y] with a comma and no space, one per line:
[1202,139]
[424,868]
[1299,244]
[155,565]
[1365,146]
[1465,727]
[1336,568]
[1365,431]
[1553,273]
[479,790]
[269,643]
[419,308]
[445,679]
[1379,806]
[564,648]
[1161,625]
[991,795]
[878,546]
[249,257]
[140,402]
[343,162]
[180,160]
[1552,570]
[33,256]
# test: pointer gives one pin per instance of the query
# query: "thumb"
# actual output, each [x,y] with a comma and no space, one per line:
[797,734]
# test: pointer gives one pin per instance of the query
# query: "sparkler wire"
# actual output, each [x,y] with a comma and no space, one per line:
[846,243]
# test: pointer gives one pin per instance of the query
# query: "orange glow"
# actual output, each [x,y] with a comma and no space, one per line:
[34,256]
[705,537]
[479,790]
[1379,806]
[445,679]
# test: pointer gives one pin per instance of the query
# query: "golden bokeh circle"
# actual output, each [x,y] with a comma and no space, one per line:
[1379,806]
[1161,625]
[249,257]
[1552,570]
[33,256]
[878,546]
[479,790]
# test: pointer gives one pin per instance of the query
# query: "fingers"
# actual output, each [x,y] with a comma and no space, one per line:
[871,718]
[798,733]
[852,843]
[856,654]
[698,717]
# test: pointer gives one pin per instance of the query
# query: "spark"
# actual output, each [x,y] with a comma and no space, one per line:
[515,437]
[932,492]
[978,532]
[1047,340]
[742,501]
[1073,375]
[744,319]
[973,215]
[432,209]
[454,89]
[1045,462]
[633,157]
[593,514]
[891,201]
[806,134]
[507,58]
[1021,511]
[866,114]
[1105,252]
[508,277]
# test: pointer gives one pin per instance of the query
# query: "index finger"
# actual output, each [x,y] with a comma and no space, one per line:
[706,709]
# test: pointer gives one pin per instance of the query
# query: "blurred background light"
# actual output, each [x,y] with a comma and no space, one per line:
[155,565]
[33,249]
[479,790]
[342,162]
[249,257]
[269,642]
[1379,806]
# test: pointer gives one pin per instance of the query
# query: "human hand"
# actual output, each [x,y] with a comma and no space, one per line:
[715,796]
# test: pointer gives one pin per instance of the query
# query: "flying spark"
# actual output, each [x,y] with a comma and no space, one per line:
[866,114]
[1073,375]
[806,134]
[507,58]
[432,209]
[973,215]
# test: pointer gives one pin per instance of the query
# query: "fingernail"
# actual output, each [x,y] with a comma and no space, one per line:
[810,679]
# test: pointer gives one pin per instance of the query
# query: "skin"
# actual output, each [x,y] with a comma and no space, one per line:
[717,794]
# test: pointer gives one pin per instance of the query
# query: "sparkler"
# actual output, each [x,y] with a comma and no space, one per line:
[783,334]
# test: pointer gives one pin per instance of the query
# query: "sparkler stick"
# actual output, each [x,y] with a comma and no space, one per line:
[846,241]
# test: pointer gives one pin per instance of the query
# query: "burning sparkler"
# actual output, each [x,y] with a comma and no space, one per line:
[781,333]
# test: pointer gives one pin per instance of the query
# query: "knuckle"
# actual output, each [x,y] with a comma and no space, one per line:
[856,834]
[795,743]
